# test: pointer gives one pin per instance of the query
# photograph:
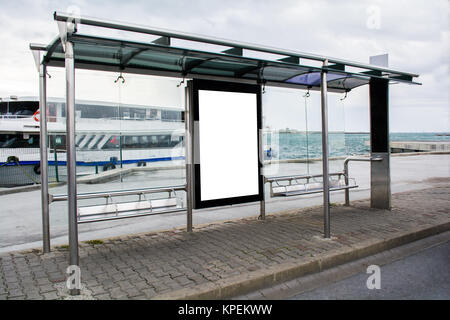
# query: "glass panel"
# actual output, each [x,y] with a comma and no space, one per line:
[280,74]
[313,116]
[285,132]
[158,60]
[349,126]
[225,65]
[336,128]
[129,135]
[149,135]
[347,83]
[214,72]
[313,78]
[101,53]
[19,148]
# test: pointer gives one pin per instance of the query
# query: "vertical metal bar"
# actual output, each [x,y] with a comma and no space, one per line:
[44,158]
[262,209]
[262,203]
[325,171]
[347,190]
[188,154]
[55,149]
[121,154]
[71,159]
[120,150]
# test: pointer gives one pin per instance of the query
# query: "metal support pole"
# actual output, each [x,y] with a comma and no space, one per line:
[71,159]
[325,171]
[346,180]
[189,163]
[262,203]
[44,158]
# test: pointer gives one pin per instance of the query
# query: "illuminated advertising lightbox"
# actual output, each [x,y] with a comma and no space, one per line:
[226,145]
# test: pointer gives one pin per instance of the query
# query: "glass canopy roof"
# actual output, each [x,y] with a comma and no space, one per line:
[160,58]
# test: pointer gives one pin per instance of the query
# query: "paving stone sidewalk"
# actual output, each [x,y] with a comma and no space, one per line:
[147,265]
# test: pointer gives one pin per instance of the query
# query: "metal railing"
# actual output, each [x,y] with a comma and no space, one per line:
[345,174]
[346,161]
[116,193]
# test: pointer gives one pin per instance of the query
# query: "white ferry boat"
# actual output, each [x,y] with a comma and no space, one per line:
[108,135]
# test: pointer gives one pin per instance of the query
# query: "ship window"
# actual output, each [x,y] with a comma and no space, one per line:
[113,143]
[125,115]
[164,140]
[18,141]
[154,140]
[143,141]
[169,115]
[19,108]
[153,114]
[58,141]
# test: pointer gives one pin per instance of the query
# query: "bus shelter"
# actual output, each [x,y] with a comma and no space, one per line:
[233,67]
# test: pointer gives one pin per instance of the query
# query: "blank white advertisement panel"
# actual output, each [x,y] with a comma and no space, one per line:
[228,146]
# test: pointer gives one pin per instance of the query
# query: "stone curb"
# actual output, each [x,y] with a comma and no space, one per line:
[242,284]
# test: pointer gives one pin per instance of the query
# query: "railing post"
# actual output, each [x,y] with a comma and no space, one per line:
[44,158]
[55,149]
[71,159]
[262,207]
[347,190]
[346,172]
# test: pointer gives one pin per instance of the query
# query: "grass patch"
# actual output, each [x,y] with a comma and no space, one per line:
[63,247]
[94,242]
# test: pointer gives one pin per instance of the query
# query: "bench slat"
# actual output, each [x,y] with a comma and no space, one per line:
[113,208]
[311,191]
[311,187]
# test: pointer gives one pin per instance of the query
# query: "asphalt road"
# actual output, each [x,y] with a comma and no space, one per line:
[424,275]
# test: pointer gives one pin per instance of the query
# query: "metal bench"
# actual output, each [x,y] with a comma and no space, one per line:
[306,184]
[113,210]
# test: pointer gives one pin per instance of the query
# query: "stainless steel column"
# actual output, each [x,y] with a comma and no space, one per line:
[380,177]
[188,118]
[71,159]
[44,158]
[326,181]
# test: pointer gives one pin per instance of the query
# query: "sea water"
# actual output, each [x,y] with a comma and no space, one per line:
[301,145]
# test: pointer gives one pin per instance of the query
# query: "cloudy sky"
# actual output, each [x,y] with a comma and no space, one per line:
[415,33]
